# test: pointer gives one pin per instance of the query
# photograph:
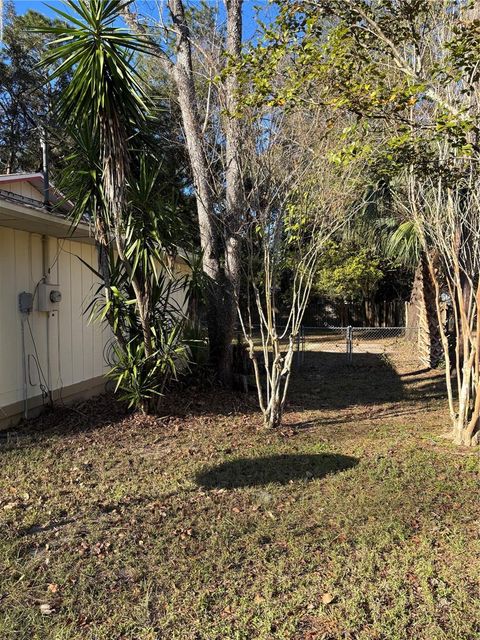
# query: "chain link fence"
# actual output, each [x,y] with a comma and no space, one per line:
[357,340]
[347,341]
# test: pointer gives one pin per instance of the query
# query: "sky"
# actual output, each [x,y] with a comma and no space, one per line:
[249,20]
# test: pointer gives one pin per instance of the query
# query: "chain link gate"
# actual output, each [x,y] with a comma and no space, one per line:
[356,340]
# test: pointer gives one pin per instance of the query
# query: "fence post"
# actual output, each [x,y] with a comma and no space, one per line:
[349,345]
[298,348]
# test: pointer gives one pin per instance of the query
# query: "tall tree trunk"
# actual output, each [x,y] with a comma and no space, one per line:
[224,280]
[182,72]
[233,177]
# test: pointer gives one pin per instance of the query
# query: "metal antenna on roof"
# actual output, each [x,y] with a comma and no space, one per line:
[45,172]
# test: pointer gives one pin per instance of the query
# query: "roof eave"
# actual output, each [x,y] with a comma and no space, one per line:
[43,222]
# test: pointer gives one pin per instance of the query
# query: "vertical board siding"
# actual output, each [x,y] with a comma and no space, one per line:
[66,330]
[88,327]
[21,282]
[67,348]
[77,319]
[54,247]
[37,359]
[9,327]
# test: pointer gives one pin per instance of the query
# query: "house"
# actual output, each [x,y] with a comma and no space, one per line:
[48,347]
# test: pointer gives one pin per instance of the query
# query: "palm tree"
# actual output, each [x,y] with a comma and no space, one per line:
[404,246]
[400,242]
[105,101]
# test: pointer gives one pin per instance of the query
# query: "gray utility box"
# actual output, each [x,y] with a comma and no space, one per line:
[25,302]
[49,297]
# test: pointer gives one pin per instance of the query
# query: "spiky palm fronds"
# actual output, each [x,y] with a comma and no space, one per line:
[403,245]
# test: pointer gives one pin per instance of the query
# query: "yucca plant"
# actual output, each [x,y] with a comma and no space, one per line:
[141,380]
[104,101]
[105,109]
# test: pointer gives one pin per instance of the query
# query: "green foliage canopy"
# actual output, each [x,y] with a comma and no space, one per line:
[347,272]
[25,96]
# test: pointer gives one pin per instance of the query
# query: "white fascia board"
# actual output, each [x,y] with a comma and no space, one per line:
[19,216]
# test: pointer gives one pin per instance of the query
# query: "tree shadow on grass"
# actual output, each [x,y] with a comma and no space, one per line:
[280,469]
[326,381]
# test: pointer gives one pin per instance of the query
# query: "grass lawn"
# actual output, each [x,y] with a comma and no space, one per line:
[355,521]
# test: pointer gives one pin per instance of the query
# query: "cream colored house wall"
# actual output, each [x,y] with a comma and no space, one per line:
[69,347]
[179,295]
